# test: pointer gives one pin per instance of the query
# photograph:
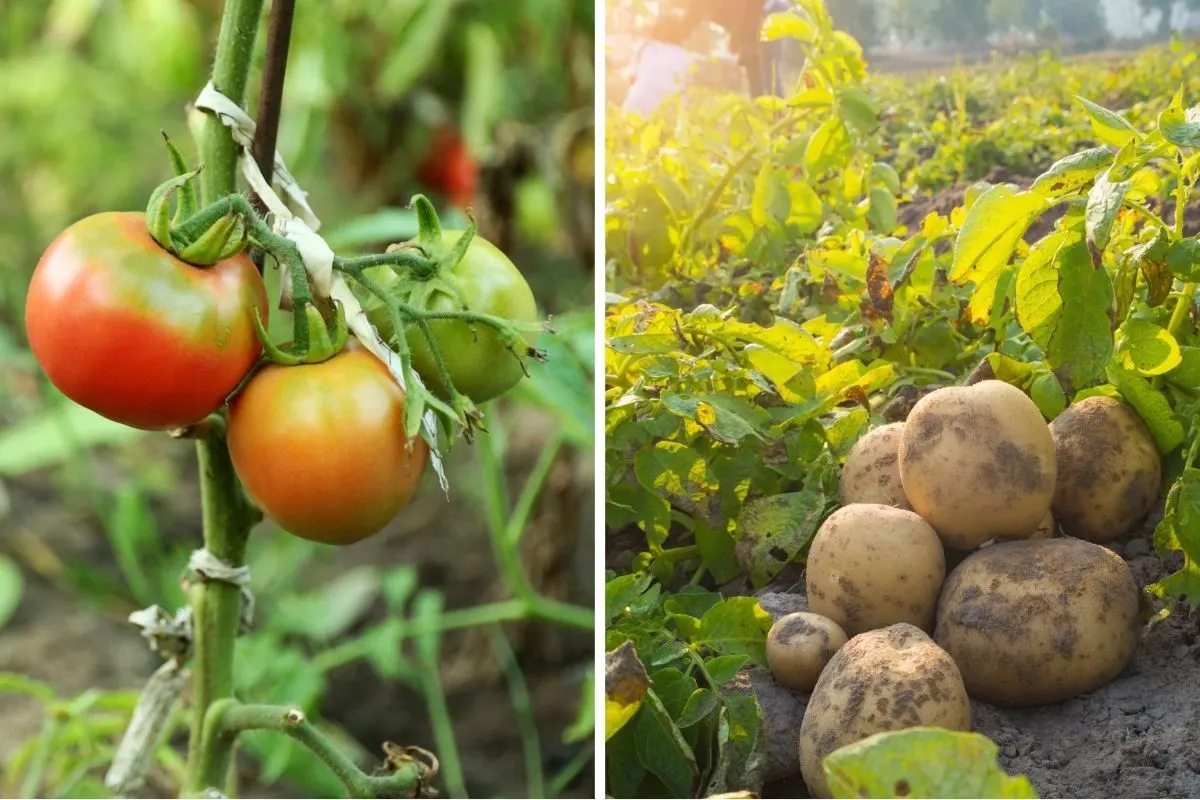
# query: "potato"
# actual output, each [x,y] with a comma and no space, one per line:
[1109,473]
[977,462]
[799,646]
[883,680]
[871,473]
[1038,622]
[1045,530]
[872,565]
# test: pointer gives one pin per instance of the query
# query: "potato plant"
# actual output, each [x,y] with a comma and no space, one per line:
[775,307]
[159,320]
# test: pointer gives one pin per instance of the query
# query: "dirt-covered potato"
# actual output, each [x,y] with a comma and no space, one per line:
[799,646]
[872,565]
[977,462]
[1045,530]
[1109,472]
[1037,622]
[883,680]
[871,473]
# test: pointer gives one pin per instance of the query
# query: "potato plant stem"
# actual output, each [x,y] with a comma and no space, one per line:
[216,606]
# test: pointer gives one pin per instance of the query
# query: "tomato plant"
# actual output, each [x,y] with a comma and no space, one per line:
[134,333]
[480,362]
[321,447]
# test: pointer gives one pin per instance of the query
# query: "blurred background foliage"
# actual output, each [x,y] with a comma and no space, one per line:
[96,520]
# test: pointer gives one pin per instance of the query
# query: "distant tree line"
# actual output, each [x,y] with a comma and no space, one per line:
[967,22]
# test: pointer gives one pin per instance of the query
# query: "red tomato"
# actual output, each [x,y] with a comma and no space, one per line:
[128,330]
[450,169]
[321,447]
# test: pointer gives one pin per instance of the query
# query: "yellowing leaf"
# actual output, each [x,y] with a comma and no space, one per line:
[625,687]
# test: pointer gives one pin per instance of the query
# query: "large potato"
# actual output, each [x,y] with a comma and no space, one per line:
[1037,622]
[1109,473]
[872,565]
[871,473]
[977,462]
[884,680]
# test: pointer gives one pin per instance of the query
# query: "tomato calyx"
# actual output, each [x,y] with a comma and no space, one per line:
[201,238]
[324,341]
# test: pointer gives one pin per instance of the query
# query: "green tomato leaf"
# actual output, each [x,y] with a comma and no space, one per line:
[1109,127]
[1104,201]
[12,587]
[1183,258]
[1151,404]
[1075,335]
[922,762]
[771,531]
[736,626]
[989,235]
[1073,172]
[1147,348]
[1178,126]
[661,748]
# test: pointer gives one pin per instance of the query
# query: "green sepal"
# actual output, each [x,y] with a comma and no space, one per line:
[158,210]
[187,193]
[224,239]
[429,227]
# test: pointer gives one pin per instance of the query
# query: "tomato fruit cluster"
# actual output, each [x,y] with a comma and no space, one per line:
[133,333]
[321,447]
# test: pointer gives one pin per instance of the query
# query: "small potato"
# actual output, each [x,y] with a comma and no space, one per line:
[871,473]
[1109,472]
[883,680]
[1038,622]
[799,646]
[977,462]
[872,565]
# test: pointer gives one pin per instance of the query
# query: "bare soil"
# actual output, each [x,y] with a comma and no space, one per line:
[58,639]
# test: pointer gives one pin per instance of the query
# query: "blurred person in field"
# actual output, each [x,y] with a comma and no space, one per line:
[662,65]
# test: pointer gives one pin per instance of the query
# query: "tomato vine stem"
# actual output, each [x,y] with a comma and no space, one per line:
[227,515]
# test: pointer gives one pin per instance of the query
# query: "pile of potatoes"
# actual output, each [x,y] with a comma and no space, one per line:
[975,477]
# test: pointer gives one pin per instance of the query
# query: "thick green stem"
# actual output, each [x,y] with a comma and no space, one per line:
[216,609]
[235,46]
[227,516]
